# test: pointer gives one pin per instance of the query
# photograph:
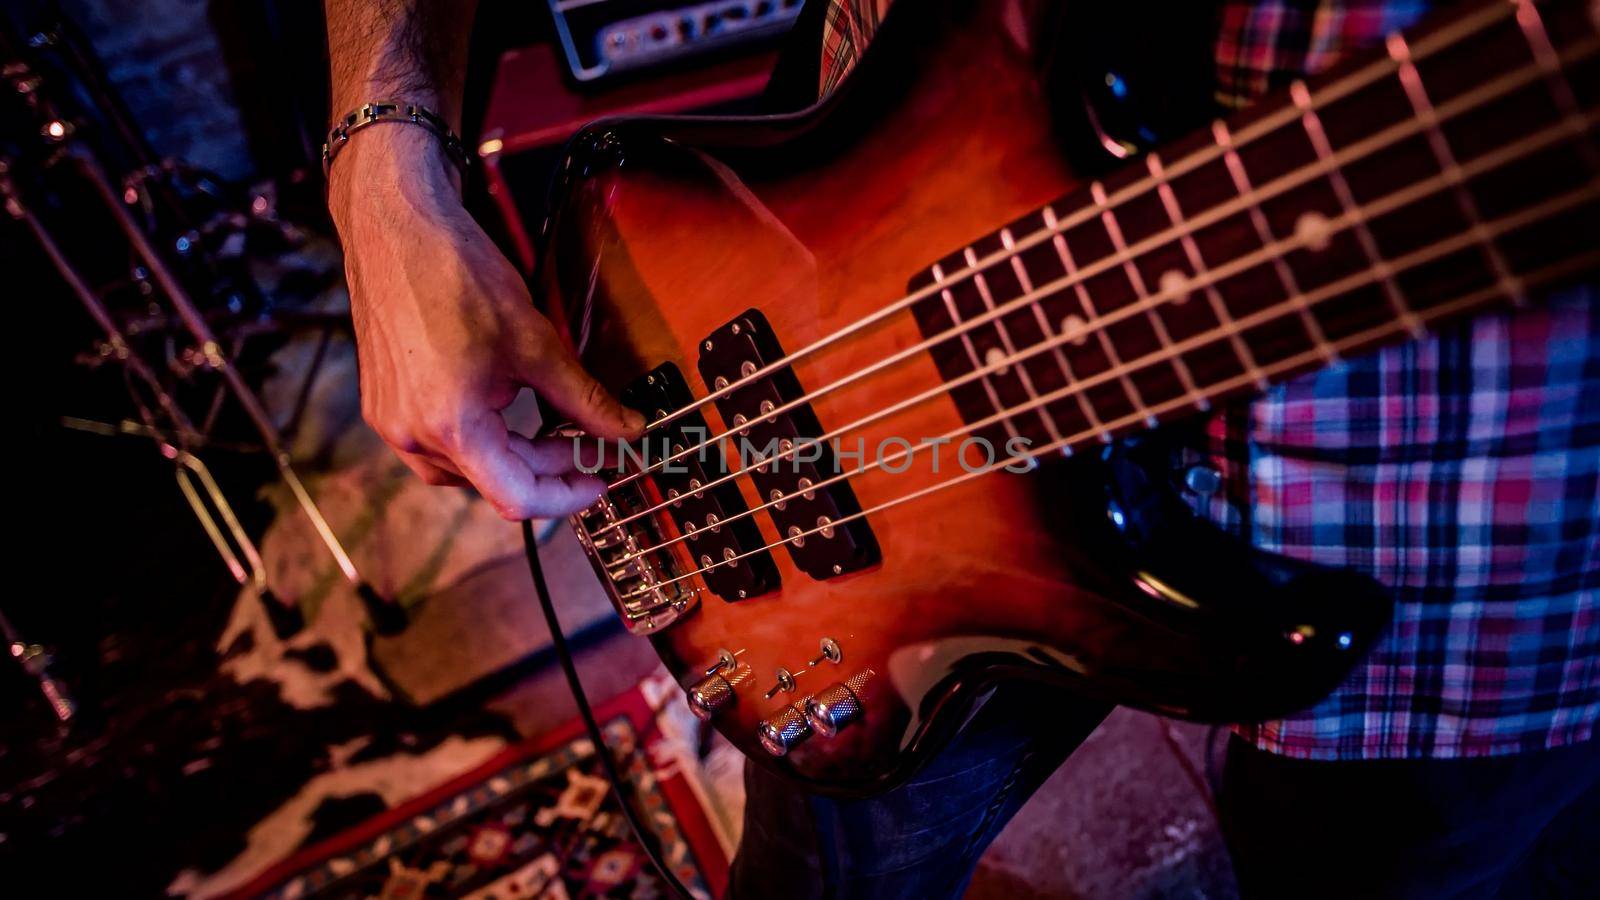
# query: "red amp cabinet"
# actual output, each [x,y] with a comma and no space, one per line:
[532,112]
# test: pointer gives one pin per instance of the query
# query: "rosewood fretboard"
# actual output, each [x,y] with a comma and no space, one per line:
[1456,171]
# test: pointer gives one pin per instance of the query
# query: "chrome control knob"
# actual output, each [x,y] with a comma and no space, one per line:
[781,731]
[717,691]
[837,705]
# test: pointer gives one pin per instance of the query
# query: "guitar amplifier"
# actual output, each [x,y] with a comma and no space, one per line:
[607,37]
[532,113]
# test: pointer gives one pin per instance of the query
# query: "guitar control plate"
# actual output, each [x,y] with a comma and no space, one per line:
[736,350]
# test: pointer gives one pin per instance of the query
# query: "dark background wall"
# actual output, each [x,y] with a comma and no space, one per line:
[239,87]
[165,58]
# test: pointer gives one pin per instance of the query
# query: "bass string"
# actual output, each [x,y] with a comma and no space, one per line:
[1550,273]
[1349,83]
[1095,323]
[1228,329]
[1103,431]
[1419,257]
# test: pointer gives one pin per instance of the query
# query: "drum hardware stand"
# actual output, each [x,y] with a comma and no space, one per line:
[387,616]
[286,619]
[59,135]
[35,659]
[191,468]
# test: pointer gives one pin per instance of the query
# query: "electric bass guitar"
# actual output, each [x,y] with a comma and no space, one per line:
[916,364]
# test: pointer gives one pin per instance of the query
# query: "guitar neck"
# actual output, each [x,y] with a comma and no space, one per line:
[1456,171]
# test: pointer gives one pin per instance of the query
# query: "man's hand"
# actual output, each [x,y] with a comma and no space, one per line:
[447,334]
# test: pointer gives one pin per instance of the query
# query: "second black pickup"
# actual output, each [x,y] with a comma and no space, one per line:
[807,517]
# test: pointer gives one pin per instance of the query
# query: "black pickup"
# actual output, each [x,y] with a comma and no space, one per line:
[700,513]
[736,350]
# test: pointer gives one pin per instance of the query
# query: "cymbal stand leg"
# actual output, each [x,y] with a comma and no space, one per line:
[35,660]
[387,616]
[285,617]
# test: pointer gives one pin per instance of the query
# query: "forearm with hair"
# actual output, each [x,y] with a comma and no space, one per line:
[412,50]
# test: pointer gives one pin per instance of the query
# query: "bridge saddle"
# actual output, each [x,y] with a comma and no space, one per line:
[641,582]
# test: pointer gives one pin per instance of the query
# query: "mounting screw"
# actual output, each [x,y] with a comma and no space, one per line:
[707,345]
[838,569]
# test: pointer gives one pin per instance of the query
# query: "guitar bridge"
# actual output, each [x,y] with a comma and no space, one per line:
[641,582]
[657,538]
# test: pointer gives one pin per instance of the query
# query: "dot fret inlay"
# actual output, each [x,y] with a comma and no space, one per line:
[1175,285]
[994,356]
[1072,328]
[1312,230]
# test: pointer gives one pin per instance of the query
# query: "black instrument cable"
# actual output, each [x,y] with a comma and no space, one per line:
[558,640]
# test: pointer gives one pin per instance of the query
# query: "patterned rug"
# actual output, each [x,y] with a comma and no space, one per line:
[537,821]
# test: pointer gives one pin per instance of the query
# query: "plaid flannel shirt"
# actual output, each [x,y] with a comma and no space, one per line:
[1461,470]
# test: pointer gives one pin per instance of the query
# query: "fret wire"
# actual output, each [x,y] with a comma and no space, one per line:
[1426,44]
[1422,106]
[1309,357]
[1169,200]
[1517,149]
[1242,185]
[1108,218]
[1553,272]
[1341,188]
[1266,315]
[1349,283]
[1005,341]
[1531,24]
[1359,150]
[1089,311]
[1429,253]
[1026,280]
[972,351]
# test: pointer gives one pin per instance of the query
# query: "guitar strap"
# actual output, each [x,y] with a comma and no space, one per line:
[793,85]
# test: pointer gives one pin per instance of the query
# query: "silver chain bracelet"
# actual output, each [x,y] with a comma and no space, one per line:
[393,111]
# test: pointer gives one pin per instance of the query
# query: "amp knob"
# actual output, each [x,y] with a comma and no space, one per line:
[837,705]
[715,692]
[781,731]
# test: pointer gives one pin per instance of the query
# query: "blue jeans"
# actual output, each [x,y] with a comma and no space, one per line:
[1520,826]
[923,839]
[1515,827]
